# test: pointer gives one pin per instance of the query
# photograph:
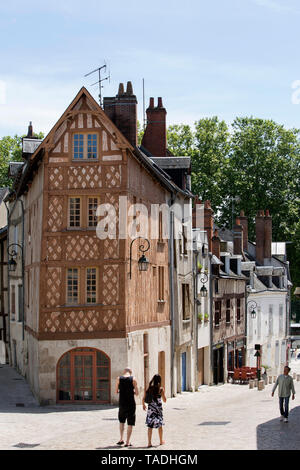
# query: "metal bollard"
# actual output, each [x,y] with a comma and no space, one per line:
[251,383]
[255,382]
[298,377]
[274,378]
[294,375]
[270,379]
[261,385]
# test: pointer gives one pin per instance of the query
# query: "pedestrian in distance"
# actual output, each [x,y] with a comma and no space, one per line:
[126,387]
[285,386]
[153,397]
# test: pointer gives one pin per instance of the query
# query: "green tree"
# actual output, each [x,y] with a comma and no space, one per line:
[180,139]
[10,151]
[209,159]
[261,173]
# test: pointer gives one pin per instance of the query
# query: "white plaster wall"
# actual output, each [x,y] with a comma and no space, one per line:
[263,301]
[49,352]
[159,339]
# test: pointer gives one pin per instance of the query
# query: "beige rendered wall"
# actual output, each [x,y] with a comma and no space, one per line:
[51,351]
[159,339]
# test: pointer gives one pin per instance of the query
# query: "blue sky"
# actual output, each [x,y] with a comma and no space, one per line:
[205,58]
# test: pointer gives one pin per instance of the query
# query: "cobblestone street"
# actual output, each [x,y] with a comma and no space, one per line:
[224,417]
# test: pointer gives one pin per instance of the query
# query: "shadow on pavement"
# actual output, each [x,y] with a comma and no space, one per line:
[277,435]
[57,409]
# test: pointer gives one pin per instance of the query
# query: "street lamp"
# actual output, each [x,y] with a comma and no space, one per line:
[203,277]
[143,262]
[252,307]
[12,253]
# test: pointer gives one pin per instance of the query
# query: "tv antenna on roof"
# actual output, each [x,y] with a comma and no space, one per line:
[99,70]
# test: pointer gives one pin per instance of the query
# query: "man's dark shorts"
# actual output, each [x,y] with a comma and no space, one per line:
[127,414]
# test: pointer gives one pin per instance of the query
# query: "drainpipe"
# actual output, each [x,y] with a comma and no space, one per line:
[171,254]
[211,316]
[195,327]
[8,288]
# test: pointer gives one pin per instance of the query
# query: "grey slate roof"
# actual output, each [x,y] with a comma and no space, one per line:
[3,192]
[173,163]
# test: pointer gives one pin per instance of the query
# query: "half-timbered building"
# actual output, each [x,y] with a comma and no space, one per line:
[89,310]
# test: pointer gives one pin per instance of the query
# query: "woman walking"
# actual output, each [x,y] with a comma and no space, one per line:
[153,396]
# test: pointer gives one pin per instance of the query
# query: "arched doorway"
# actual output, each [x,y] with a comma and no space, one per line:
[83,376]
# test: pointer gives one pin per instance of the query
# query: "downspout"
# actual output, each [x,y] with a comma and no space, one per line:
[8,287]
[195,328]
[171,253]
[211,317]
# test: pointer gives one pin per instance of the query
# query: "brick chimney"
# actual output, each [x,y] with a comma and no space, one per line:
[237,238]
[196,213]
[244,223]
[208,223]
[30,131]
[268,236]
[122,111]
[155,136]
[216,244]
[260,236]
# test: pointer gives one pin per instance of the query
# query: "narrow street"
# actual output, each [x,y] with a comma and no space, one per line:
[224,417]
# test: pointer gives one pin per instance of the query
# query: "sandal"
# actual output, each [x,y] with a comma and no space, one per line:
[120,443]
[128,445]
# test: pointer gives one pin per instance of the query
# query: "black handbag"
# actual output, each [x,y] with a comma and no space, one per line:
[148,397]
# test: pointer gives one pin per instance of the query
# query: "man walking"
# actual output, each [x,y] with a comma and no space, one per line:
[126,386]
[285,385]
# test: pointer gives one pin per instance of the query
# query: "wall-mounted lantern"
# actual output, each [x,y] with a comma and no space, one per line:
[143,262]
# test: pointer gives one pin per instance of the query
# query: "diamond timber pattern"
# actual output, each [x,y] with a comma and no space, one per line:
[81,247]
[53,249]
[75,321]
[56,178]
[55,213]
[113,176]
[110,289]
[53,287]
[84,177]
[111,249]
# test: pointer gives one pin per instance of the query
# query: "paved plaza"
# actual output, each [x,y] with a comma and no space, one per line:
[224,417]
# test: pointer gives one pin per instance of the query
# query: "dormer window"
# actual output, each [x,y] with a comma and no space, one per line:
[85,147]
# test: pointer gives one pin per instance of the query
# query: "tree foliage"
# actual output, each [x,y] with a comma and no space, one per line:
[10,151]
[254,165]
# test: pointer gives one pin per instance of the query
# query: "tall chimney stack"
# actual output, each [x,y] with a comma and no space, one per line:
[216,244]
[122,111]
[237,238]
[260,236]
[244,223]
[208,223]
[155,136]
[268,235]
[30,131]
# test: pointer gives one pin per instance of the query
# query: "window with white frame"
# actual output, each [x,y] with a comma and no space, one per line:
[93,203]
[280,319]
[73,286]
[91,285]
[270,320]
[74,212]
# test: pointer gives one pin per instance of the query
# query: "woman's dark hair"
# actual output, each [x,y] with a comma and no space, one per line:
[155,384]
